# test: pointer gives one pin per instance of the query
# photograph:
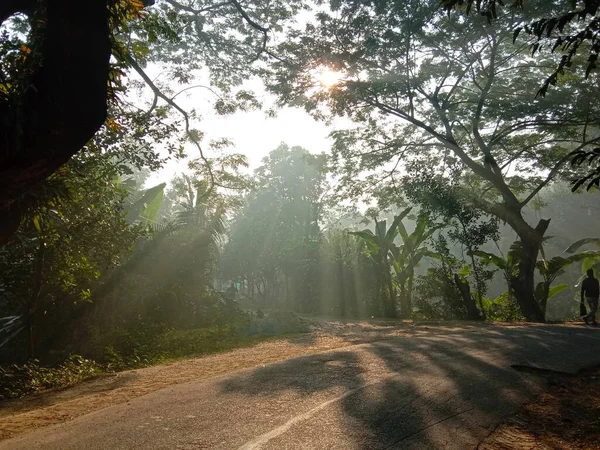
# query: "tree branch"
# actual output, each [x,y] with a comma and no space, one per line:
[555,169]
[158,93]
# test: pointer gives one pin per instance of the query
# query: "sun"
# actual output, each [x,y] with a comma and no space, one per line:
[329,78]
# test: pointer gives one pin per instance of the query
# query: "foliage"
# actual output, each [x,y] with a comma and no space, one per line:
[274,241]
[549,270]
[379,245]
[142,343]
[424,88]
[592,176]
[503,308]
[66,241]
[407,257]
[562,30]
[437,293]
[469,226]
[17,380]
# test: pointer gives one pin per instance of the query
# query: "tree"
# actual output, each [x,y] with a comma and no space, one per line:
[470,227]
[46,119]
[427,88]
[549,269]
[60,50]
[569,38]
[74,231]
[274,240]
[446,280]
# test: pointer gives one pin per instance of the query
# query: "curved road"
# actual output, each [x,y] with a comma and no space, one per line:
[432,391]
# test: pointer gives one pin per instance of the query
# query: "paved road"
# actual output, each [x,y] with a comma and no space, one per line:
[442,390]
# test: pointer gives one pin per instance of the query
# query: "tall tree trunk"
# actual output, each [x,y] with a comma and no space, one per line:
[470,305]
[523,284]
[531,240]
[409,291]
[38,278]
[390,305]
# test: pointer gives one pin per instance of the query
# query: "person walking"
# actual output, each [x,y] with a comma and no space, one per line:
[590,288]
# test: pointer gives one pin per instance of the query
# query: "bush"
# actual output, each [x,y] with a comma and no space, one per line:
[17,380]
[140,343]
[280,322]
[504,308]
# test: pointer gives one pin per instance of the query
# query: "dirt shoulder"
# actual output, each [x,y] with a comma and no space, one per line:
[567,416]
[53,407]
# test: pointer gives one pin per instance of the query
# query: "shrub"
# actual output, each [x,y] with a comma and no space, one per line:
[17,380]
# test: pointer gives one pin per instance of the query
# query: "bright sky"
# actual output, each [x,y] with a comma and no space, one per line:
[254,134]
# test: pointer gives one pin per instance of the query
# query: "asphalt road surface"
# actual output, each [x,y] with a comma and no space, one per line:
[442,390]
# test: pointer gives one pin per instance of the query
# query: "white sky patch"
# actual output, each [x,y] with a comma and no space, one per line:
[253,133]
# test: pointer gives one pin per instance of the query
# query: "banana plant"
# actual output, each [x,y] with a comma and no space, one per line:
[553,268]
[548,269]
[407,257]
[144,205]
[508,265]
[379,245]
[591,261]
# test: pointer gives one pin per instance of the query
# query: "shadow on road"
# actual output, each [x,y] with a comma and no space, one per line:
[445,390]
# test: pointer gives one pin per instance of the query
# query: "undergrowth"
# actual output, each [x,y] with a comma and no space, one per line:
[17,380]
[141,344]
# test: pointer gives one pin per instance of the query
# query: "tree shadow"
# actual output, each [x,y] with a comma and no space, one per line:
[427,391]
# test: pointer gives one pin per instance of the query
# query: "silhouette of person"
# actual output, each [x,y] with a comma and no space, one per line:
[591,289]
[232,292]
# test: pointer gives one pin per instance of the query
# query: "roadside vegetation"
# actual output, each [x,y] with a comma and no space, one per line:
[451,190]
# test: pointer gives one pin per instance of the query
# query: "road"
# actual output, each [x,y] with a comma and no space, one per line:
[442,390]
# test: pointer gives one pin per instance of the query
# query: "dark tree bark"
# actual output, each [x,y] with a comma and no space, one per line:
[406,288]
[465,291]
[65,105]
[523,284]
[390,310]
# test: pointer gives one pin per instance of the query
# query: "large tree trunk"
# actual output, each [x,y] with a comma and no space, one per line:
[65,104]
[470,305]
[531,239]
[523,284]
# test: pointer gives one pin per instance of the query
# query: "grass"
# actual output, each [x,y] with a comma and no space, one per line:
[122,349]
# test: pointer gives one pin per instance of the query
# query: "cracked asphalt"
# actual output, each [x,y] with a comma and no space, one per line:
[444,390]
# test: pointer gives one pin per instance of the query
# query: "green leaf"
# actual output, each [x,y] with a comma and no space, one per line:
[152,208]
[556,289]
[580,243]
[391,233]
[36,223]
[588,263]
[145,206]
[490,258]
[465,271]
